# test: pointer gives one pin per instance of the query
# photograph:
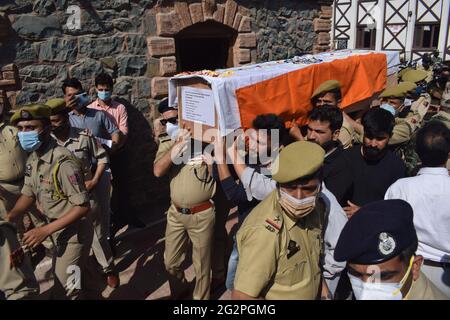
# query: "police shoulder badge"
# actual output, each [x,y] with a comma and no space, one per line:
[386,244]
[272,226]
[28,170]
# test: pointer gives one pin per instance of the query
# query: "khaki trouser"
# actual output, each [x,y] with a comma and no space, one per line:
[18,282]
[100,244]
[70,256]
[199,229]
[101,214]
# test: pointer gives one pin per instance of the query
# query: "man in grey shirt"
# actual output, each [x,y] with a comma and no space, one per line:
[100,126]
[96,121]
[82,117]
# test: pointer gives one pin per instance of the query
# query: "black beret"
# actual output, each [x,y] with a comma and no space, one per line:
[376,233]
[163,106]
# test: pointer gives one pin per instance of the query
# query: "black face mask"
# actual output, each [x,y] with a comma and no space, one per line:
[442,81]
[327,105]
[373,153]
[60,129]
[327,146]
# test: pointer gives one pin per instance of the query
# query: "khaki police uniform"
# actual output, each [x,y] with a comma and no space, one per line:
[268,265]
[12,168]
[346,134]
[414,75]
[279,256]
[442,116]
[85,148]
[424,289]
[191,185]
[404,128]
[58,191]
[17,280]
[429,72]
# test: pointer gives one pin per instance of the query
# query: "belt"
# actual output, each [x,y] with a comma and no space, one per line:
[444,265]
[196,209]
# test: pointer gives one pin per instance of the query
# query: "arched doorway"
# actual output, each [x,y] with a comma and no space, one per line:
[192,36]
[205,45]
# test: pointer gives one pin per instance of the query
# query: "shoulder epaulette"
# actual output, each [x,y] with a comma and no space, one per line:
[273,225]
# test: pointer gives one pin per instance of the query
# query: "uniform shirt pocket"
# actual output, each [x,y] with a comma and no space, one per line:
[293,269]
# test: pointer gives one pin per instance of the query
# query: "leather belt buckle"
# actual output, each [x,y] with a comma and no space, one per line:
[185,210]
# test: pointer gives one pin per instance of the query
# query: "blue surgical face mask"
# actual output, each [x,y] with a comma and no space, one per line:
[29,140]
[83,100]
[104,95]
[388,107]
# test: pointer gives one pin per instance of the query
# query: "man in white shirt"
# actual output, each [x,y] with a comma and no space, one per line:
[429,195]
[258,186]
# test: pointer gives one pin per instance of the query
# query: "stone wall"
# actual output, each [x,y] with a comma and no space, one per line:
[111,38]
[287,28]
[134,41]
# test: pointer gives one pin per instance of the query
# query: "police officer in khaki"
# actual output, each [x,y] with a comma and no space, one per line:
[406,123]
[17,280]
[280,242]
[392,99]
[12,165]
[191,215]
[55,180]
[379,244]
[86,149]
[419,77]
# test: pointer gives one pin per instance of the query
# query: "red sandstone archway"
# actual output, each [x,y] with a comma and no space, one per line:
[174,21]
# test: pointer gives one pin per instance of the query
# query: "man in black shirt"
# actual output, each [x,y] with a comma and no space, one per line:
[372,166]
[324,127]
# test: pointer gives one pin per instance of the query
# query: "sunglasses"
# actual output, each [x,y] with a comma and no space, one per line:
[172,120]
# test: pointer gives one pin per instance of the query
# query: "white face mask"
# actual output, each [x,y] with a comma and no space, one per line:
[297,208]
[172,130]
[407,102]
[390,108]
[378,290]
[298,202]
